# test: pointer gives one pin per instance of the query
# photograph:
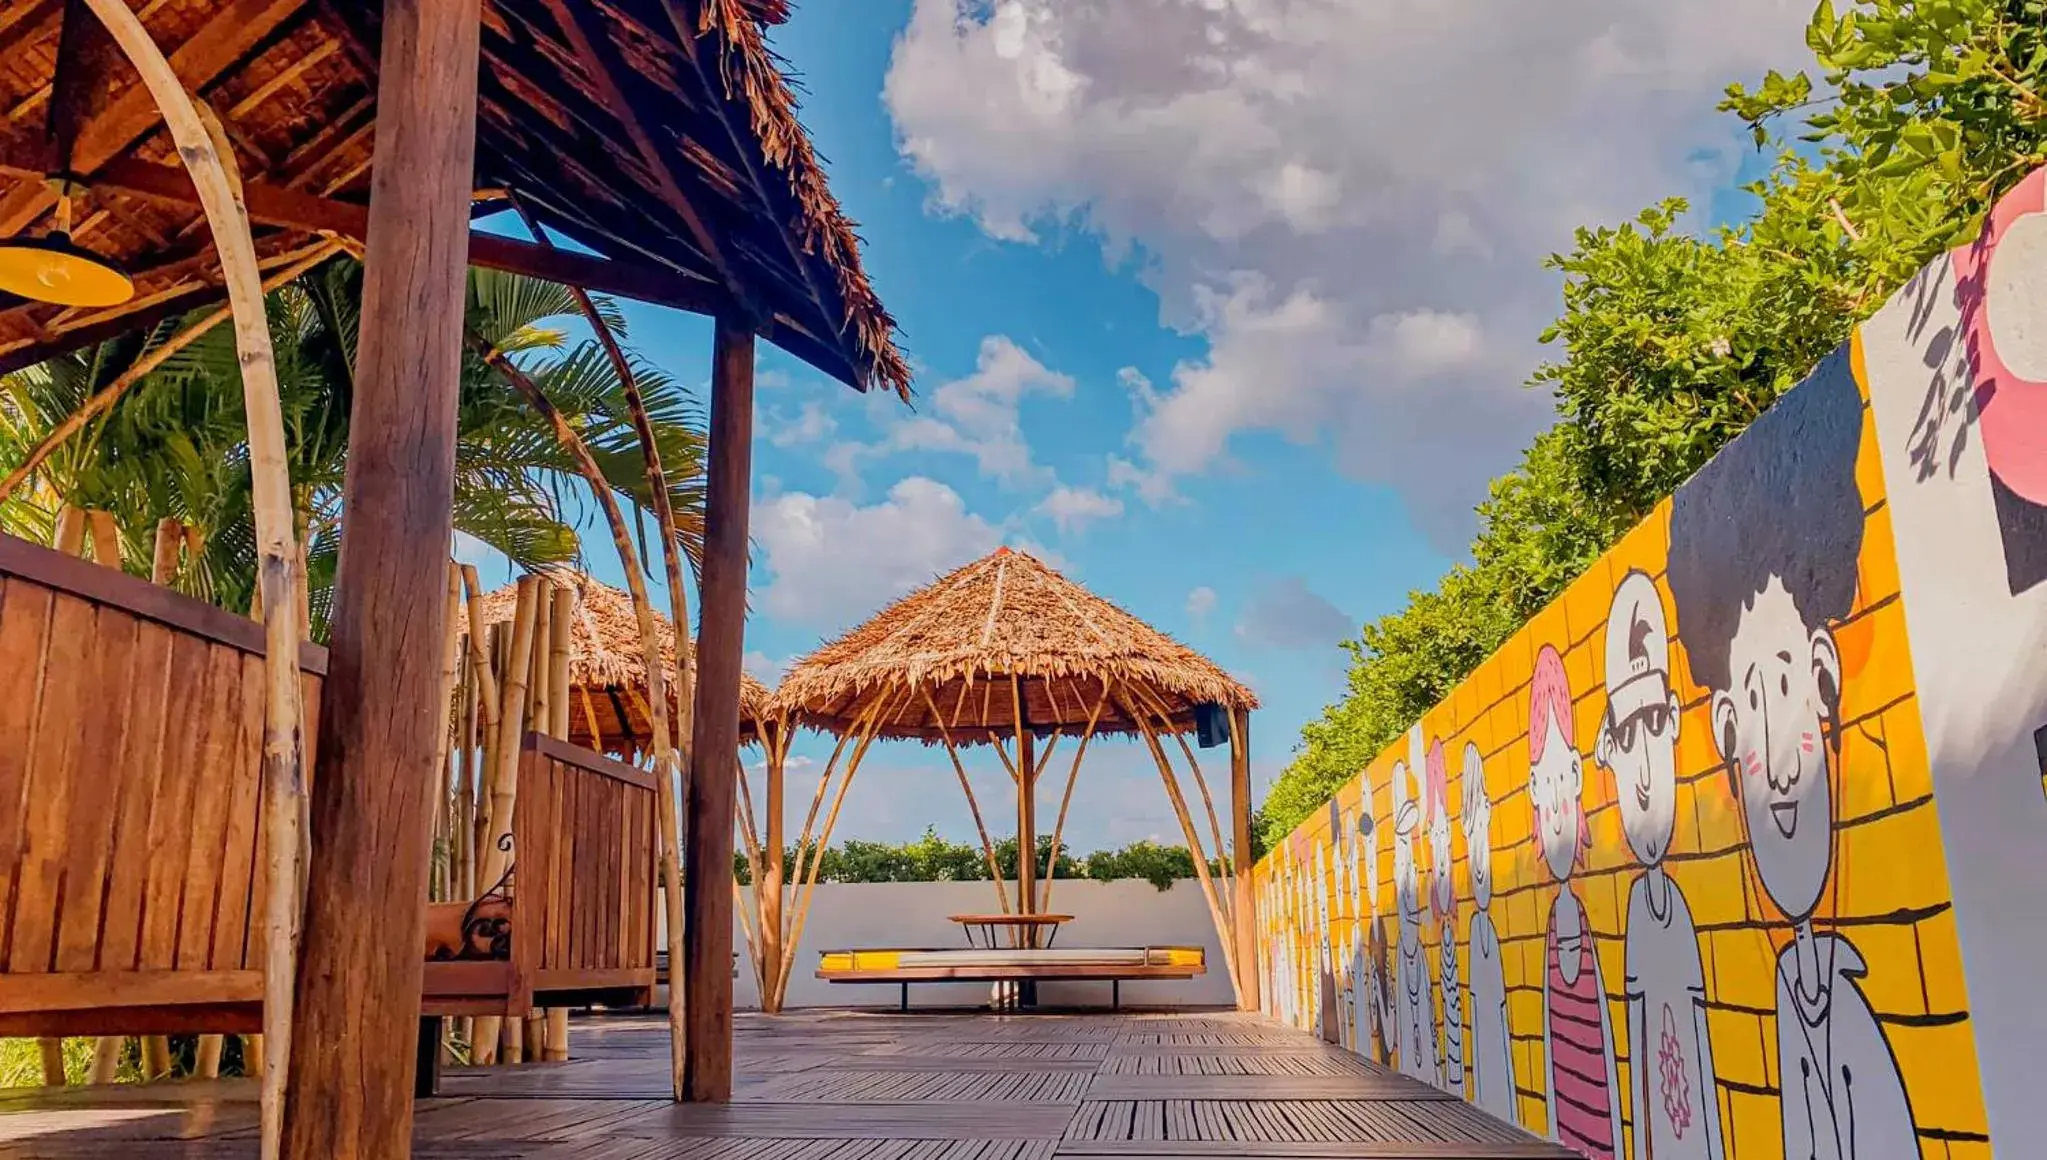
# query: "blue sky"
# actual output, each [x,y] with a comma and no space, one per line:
[1242,370]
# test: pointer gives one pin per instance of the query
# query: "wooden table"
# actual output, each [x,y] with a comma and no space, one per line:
[1029,924]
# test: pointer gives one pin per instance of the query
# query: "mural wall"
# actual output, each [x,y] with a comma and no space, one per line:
[1735,850]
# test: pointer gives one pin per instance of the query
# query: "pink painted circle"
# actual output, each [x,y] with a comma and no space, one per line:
[2001,288]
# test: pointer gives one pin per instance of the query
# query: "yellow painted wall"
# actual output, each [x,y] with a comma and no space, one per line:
[1887,892]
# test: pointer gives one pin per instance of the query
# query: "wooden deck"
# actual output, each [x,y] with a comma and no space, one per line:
[846,1086]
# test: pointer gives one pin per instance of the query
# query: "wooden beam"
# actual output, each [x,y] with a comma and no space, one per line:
[275,205]
[1244,909]
[600,59]
[234,30]
[352,1067]
[714,741]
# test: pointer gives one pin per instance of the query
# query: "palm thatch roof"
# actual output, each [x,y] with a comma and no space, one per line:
[658,135]
[608,669]
[955,657]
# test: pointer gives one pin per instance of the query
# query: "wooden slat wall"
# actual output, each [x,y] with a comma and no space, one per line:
[583,850]
[131,723]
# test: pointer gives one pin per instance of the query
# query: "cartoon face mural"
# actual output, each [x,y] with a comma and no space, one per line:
[1785,915]
[1442,899]
[1556,774]
[1638,733]
[1478,827]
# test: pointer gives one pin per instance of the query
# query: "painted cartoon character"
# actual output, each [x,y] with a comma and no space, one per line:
[1756,602]
[1677,1113]
[1346,924]
[1368,952]
[1324,973]
[1412,1019]
[1584,1103]
[1443,904]
[1492,1057]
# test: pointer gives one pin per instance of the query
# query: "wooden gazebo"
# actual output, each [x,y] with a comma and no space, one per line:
[211,147]
[608,709]
[1008,654]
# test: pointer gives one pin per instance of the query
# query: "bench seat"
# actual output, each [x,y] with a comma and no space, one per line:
[1113,965]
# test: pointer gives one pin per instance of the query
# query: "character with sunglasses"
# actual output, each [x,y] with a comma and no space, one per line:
[1676,1112]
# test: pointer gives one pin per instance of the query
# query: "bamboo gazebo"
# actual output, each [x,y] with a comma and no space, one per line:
[202,151]
[607,676]
[1007,654]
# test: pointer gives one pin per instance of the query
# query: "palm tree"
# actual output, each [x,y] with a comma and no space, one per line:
[175,444]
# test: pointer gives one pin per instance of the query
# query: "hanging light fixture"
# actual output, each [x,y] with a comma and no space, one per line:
[53,268]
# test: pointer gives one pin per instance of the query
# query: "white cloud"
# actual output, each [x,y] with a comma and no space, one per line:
[979,416]
[764,668]
[1349,200]
[812,423]
[1200,603]
[831,561]
[1073,508]
[1287,614]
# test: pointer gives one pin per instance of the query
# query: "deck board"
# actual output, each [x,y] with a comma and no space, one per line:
[851,1086]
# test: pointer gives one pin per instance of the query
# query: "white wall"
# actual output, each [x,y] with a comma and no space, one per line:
[913,914]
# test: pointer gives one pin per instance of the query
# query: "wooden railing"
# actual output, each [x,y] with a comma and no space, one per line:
[131,859]
[583,887]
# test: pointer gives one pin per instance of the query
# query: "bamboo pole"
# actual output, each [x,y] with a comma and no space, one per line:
[451,642]
[1158,706]
[665,755]
[70,533]
[524,1037]
[106,539]
[800,913]
[1094,718]
[768,879]
[1026,775]
[1215,912]
[503,769]
[680,759]
[106,1058]
[462,833]
[219,190]
[206,1061]
[973,805]
[163,560]
[554,1044]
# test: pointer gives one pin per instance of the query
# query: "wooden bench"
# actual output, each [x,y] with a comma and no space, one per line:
[131,885]
[1113,965]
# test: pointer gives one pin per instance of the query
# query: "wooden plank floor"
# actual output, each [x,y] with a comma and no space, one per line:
[852,1086]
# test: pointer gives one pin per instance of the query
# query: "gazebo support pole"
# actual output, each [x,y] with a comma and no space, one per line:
[1094,718]
[806,881]
[351,1061]
[1245,913]
[973,804]
[1223,930]
[714,741]
[1026,773]
[775,740]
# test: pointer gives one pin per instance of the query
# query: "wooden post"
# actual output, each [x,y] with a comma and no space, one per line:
[1026,810]
[775,741]
[352,1066]
[555,1045]
[1244,914]
[714,740]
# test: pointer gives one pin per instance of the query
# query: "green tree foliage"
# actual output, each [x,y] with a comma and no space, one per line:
[932,858]
[1916,117]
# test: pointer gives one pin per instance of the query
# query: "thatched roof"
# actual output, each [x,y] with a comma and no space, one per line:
[657,134]
[963,637]
[607,665]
